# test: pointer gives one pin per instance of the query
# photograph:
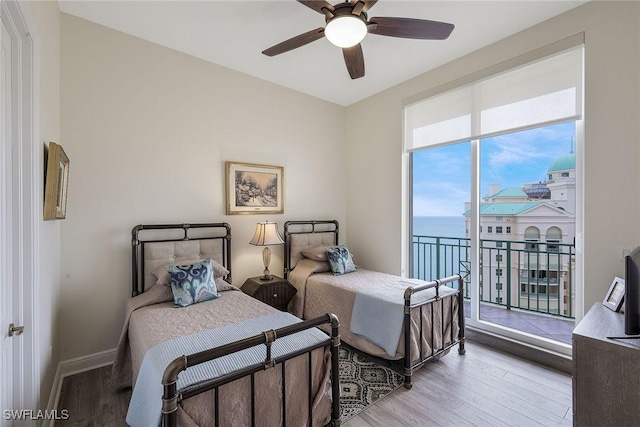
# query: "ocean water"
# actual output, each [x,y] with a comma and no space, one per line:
[442,226]
[451,255]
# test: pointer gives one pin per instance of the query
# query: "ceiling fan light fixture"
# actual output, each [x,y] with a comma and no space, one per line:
[345,31]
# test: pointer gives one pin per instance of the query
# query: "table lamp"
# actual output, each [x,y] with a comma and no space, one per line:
[266,234]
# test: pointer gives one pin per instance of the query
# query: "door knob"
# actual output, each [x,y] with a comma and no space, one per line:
[15,330]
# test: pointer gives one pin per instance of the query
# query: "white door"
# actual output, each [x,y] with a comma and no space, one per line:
[20,211]
[6,253]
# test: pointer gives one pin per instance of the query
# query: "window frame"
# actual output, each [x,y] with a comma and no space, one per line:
[474,218]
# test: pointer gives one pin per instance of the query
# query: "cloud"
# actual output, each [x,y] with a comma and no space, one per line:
[441,198]
[442,175]
[531,146]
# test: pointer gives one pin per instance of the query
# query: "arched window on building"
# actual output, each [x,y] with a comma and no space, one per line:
[553,235]
[531,237]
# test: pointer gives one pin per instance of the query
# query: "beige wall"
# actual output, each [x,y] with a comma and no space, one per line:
[44,20]
[611,151]
[148,130]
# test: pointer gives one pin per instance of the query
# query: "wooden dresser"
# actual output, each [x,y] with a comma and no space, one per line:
[606,372]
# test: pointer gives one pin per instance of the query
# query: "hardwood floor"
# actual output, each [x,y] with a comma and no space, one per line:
[482,388]
[91,402]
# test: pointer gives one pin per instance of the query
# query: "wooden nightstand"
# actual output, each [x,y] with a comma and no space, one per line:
[276,292]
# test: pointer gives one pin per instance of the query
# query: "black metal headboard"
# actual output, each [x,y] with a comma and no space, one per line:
[209,231]
[306,227]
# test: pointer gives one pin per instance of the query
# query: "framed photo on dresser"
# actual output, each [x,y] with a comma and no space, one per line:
[615,296]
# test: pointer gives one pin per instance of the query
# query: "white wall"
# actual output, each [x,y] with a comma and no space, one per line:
[45,20]
[148,130]
[611,152]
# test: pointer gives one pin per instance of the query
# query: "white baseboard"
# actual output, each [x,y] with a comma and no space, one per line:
[76,366]
[54,396]
[87,363]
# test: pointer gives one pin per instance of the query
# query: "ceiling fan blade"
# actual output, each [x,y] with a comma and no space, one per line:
[368,4]
[317,5]
[360,6]
[354,59]
[410,28]
[294,42]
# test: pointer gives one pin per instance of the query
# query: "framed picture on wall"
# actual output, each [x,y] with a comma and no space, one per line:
[56,183]
[615,295]
[254,189]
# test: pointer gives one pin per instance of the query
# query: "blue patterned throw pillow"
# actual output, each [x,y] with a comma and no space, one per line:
[192,283]
[340,260]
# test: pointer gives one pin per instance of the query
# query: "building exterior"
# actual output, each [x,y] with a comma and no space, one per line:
[527,237]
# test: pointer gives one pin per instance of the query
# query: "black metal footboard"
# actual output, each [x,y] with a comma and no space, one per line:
[409,367]
[172,396]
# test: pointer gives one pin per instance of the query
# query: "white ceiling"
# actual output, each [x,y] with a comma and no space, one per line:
[234,33]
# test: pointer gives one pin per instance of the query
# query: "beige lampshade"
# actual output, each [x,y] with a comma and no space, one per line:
[266,234]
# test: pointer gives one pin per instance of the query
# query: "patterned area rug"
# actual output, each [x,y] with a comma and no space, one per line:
[363,382]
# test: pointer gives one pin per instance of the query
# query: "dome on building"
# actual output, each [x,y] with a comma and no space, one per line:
[538,191]
[563,163]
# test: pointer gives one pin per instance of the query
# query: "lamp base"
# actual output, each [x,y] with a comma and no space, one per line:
[266,259]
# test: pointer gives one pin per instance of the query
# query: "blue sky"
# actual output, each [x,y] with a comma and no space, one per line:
[442,175]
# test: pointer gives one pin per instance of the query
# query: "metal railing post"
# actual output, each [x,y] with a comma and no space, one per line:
[509,275]
[437,258]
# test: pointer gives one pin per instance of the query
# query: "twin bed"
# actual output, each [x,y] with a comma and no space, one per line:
[248,363]
[380,314]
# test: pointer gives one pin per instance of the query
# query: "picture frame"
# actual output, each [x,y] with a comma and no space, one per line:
[56,183]
[254,188]
[615,296]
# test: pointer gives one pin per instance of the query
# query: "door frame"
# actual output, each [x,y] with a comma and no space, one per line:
[27,179]
[6,222]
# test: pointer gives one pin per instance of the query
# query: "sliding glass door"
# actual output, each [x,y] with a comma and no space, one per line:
[493,190]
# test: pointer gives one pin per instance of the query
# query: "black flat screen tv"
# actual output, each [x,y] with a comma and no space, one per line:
[632,293]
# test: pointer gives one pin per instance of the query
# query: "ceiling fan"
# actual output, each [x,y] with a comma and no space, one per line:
[347,24]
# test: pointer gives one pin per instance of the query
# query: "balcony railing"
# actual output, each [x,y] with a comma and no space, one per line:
[513,274]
